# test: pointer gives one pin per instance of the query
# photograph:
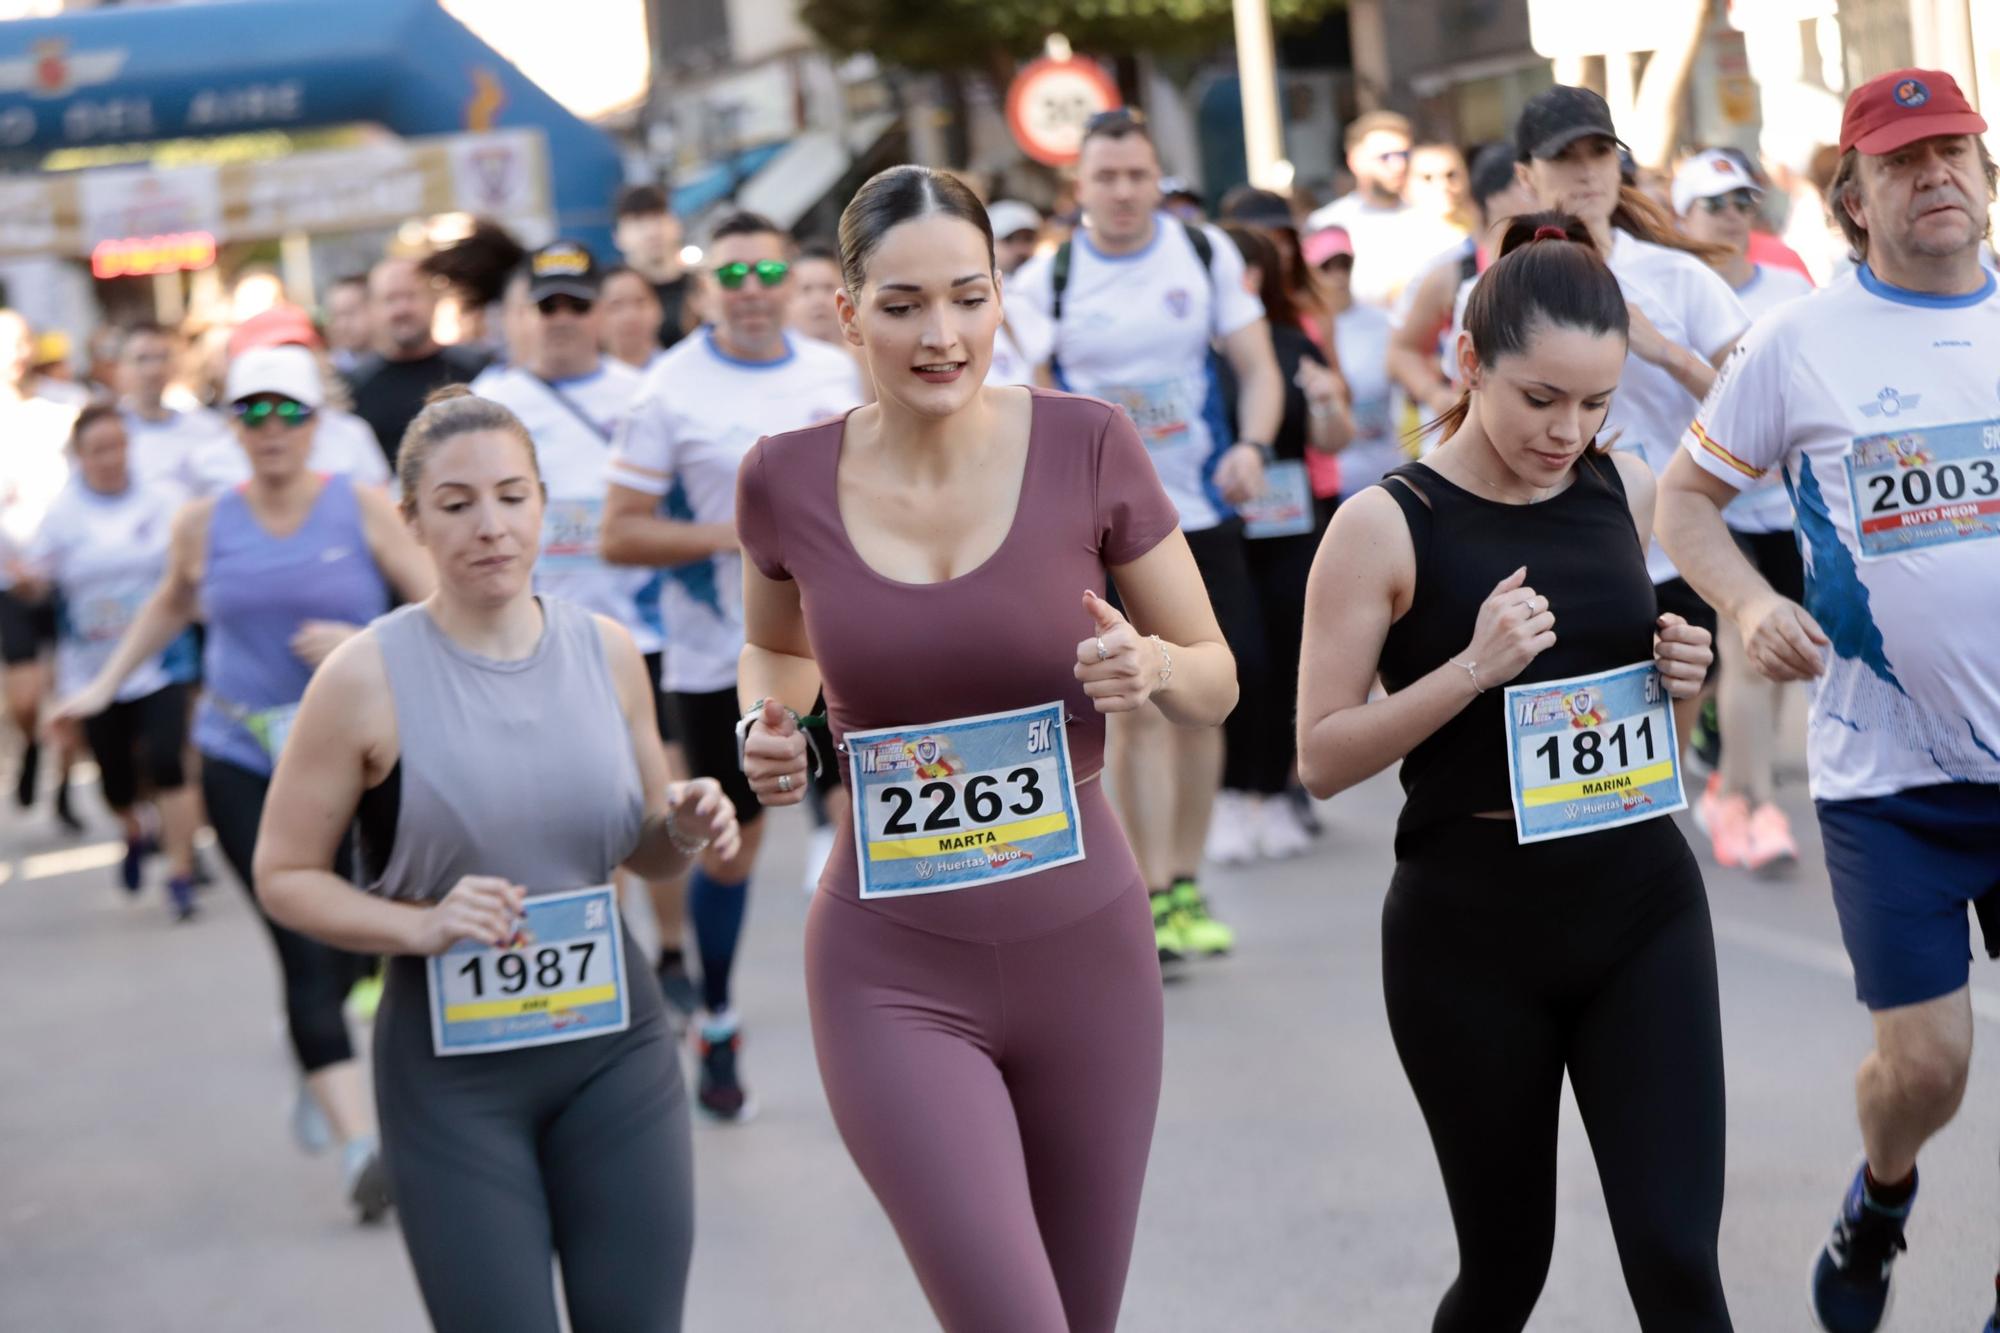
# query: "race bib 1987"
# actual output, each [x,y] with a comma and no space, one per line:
[1591,752]
[1916,488]
[951,805]
[561,978]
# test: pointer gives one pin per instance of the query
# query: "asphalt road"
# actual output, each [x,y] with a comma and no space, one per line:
[148,1179]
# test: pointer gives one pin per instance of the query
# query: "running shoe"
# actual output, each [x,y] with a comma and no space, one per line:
[681,996]
[1167,936]
[204,877]
[180,894]
[24,781]
[132,870]
[64,815]
[1232,830]
[310,1129]
[721,1093]
[1304,808]
[1202,933]
[1772,852]
[1279,835]
[1704,804]
[1850,1281]
[366,1179]
[1705,742]
[1729,832]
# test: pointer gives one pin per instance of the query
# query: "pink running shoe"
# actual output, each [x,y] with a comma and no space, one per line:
[1704,804]
[1772,851]
[1729,831]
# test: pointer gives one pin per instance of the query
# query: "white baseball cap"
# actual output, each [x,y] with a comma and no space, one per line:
[1011,215]
[289,370]
[1708,174]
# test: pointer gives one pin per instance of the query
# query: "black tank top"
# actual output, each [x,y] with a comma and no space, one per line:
[1582,553]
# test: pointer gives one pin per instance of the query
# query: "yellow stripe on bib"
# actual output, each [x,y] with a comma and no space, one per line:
[944,844]
[1611,786]
[530,1004]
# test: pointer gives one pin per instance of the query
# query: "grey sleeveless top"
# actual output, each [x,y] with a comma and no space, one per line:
[522,770]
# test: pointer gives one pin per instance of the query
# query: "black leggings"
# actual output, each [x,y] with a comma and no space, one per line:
[1264,749]
[317,976]
[1506,965]
[138,744]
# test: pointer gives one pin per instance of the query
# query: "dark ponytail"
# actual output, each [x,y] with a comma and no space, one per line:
[1548,273]
[895,196]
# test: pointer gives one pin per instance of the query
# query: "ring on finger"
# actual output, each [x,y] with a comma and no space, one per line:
[1102,651]
[784,782]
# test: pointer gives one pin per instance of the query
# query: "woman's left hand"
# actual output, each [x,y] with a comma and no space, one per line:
[702,812]
[1682,652]
[1118,667]
[317,639]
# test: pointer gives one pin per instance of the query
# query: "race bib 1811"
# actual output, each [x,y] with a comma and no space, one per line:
[1592,752]
[561,978]
[1916,488]
[1157,409]
[956,804]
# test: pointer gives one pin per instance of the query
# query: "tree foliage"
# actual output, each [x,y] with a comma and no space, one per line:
[972,34]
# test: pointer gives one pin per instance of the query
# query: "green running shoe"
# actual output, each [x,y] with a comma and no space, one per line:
[1167,929]
[1202,933]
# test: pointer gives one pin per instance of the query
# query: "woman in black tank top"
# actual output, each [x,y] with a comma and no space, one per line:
[1543,920]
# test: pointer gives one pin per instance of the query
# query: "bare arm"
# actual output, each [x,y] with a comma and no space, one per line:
[164,618]
[343,739]
[634,533]
[396,553]
[777,666]
[1412,357]
[1782,639]
[1163,594]
[1362,580]
[680,816]
[1260,389]
[1684,364]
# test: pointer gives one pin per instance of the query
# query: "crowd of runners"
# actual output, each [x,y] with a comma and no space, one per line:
[1531,474]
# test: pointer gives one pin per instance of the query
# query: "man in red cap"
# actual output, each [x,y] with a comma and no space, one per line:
[1878,400]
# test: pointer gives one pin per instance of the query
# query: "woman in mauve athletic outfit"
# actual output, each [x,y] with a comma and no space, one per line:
[989,1035]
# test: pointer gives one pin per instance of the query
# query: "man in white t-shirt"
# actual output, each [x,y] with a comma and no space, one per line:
[1393,239]
[1140,301]
[1715,199]
[165,445]
[672,506]
[1877,401]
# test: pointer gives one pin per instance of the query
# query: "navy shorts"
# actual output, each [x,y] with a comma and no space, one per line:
[1905,867]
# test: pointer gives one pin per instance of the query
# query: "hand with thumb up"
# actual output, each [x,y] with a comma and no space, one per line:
[1119,668]
[774,756]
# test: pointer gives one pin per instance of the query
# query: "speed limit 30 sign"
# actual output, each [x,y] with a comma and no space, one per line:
[1048,103]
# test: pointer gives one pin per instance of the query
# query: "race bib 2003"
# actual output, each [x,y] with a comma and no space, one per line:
[1916,488]
[952,805]
[561,978]
[1591,752]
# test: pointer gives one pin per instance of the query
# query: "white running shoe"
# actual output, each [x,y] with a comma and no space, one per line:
[819,850]
[1280,836]
[1232,829]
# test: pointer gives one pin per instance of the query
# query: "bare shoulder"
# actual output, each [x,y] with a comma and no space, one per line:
[1368,548]
[191,520]
[355,674]
[621,651]
[1637,476]
[377,505]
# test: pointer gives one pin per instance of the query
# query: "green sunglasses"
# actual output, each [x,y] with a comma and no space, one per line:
[288,412]
[770,272]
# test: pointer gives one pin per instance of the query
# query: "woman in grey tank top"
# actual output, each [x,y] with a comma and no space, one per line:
[501,753]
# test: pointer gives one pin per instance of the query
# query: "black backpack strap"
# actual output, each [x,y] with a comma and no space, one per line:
[1203,247]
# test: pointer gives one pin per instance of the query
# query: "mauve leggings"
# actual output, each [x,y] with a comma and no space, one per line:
[999,1099]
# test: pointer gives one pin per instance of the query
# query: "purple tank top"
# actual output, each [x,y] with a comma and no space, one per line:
[256,590]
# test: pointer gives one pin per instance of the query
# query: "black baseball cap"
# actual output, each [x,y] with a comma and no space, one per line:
[564,268]
[1257,208]
[1557,117]
[1492,171]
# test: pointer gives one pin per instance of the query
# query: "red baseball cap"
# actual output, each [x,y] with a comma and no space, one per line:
[1903,106]
[277,327]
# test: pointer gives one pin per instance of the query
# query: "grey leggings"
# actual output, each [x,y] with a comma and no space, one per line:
[500,1162]
[998,1098]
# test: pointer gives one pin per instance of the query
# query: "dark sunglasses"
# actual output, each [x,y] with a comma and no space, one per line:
[558,303]
[1743,201]
[770,272]
[1118,118]
[288,412]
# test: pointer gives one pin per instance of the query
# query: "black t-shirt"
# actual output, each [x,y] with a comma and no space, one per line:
[389,394]
[1292,345]
[673,309]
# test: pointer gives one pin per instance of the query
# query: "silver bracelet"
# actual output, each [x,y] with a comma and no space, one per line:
[1166,663]
[674,837]
[1471,669]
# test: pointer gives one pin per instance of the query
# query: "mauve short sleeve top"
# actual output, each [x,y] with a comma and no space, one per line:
[997,637]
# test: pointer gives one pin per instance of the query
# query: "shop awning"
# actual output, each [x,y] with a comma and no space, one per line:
[812,164]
